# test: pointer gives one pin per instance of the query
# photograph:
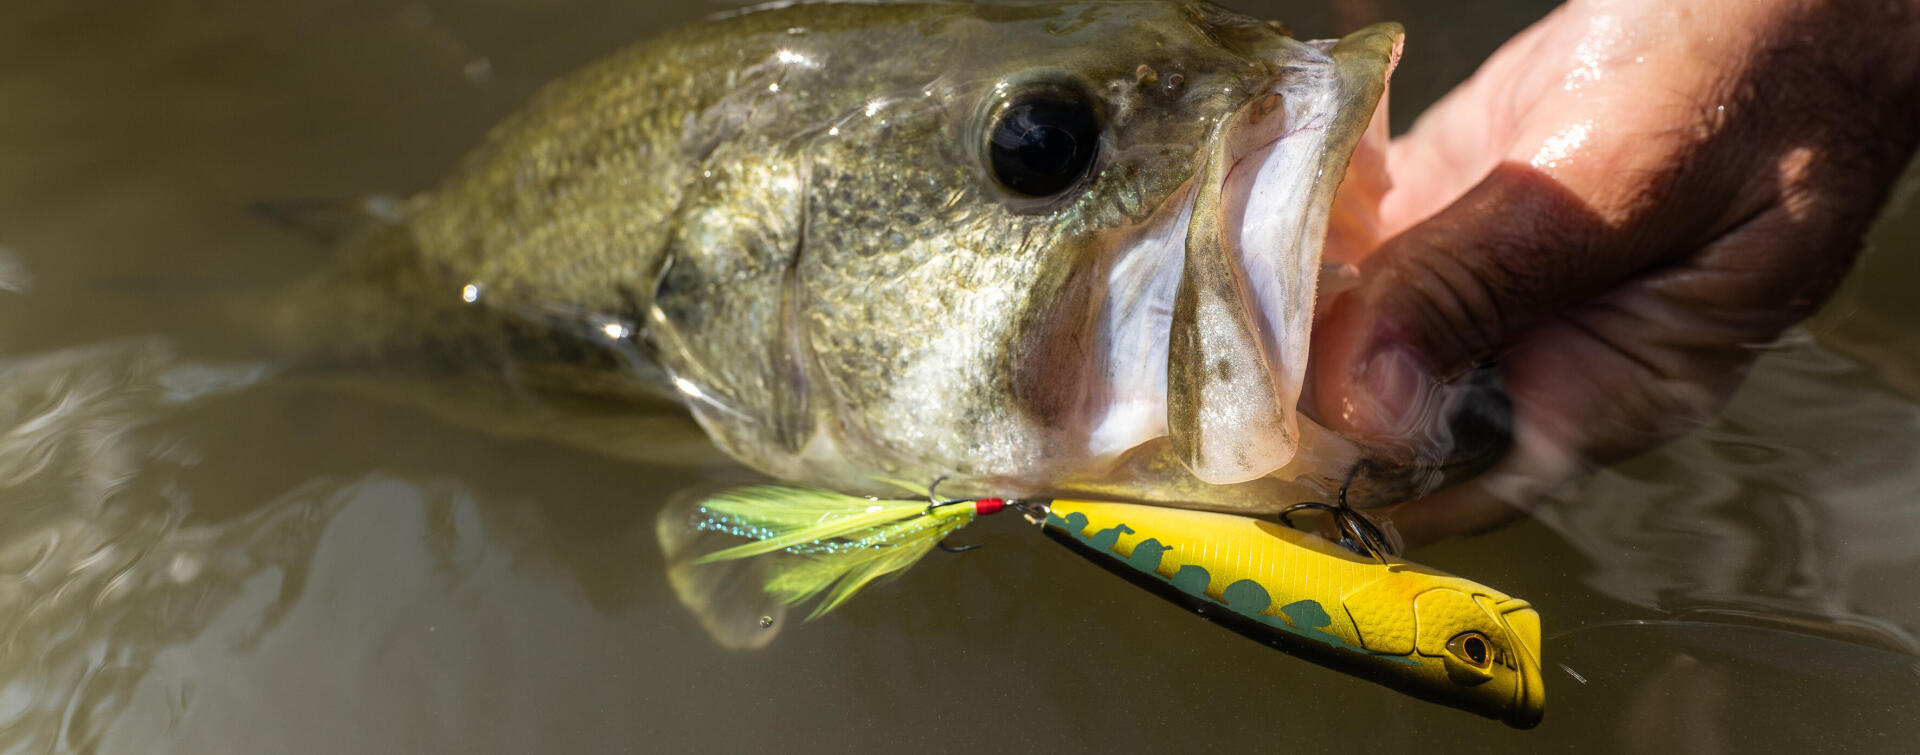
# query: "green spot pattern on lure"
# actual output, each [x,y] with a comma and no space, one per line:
[1245,597]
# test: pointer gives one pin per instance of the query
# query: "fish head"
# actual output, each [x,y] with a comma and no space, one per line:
[1043,249]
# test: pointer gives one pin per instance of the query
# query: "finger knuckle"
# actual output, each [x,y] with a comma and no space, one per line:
[1462,308]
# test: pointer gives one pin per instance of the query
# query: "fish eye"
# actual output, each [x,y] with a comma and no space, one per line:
[1472,646]
[1043,144]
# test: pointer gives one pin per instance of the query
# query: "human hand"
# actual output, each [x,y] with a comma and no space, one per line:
[1622,206]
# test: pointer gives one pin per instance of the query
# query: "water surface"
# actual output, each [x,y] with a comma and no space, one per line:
[293,569]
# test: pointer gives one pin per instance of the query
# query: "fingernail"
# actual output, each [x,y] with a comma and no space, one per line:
[1397,386]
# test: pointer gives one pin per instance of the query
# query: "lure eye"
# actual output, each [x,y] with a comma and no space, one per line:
[1471,647]
[1043,145]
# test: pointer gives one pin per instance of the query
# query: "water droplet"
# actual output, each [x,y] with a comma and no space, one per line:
[470,293]
[766,621]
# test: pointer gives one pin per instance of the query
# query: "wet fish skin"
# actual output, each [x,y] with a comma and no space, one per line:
[787,213]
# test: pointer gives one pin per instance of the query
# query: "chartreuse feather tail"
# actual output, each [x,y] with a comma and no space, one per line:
[837,543]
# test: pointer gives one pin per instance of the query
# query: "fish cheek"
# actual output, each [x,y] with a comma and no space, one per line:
[724,319]
[1053,356]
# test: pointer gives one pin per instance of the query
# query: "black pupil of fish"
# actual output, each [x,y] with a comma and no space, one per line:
[1042,147]
[1476,649]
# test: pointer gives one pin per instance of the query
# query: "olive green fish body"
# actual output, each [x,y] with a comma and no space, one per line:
[562,221]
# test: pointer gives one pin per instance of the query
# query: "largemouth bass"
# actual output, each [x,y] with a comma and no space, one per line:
[1065,249]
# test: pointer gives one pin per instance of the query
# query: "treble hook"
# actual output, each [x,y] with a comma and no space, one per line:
[934,502]
[1357,533]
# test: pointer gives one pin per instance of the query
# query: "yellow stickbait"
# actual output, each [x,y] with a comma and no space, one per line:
[1423,632]
[1417,630]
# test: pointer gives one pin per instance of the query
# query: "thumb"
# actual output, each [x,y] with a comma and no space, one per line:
[1451,291]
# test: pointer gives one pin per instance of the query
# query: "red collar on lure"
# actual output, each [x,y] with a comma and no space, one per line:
[1357,609]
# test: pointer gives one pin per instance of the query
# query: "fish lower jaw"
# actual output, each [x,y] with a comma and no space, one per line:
[1208,317]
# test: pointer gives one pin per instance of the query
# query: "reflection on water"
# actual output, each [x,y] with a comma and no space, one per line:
[1796,503]
[196,557]
[85,572]
[152,572]
[193,557]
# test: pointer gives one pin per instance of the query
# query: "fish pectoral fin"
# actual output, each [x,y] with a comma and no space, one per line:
[728,598]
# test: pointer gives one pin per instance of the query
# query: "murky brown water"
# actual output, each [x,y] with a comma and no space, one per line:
[289,569]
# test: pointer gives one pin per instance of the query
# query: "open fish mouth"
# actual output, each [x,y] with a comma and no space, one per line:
[1291,181]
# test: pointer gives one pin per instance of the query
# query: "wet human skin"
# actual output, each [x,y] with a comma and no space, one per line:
[1621,209]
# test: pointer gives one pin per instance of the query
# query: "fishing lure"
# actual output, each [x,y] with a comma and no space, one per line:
[1356,609]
